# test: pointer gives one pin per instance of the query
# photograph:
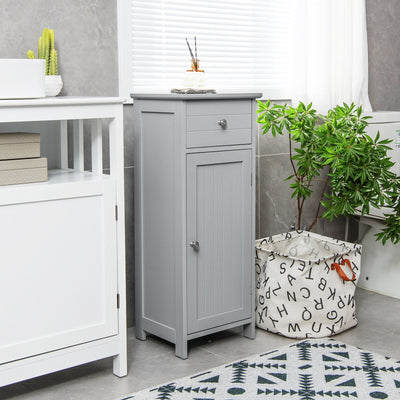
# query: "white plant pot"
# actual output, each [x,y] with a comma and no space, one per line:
[21,78]
[53,85]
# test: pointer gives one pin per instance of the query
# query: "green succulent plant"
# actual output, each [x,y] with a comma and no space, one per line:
[47,52]
[358,168]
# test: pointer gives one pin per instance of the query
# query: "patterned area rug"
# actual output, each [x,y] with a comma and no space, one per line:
[308,370]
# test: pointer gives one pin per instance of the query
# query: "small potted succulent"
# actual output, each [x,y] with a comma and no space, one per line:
[357,168]
[46,51]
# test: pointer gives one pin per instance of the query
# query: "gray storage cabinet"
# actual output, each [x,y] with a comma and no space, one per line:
[194,215]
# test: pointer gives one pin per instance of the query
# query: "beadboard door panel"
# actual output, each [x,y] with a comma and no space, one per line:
[219,219]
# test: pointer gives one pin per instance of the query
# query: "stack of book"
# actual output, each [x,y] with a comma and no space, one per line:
[20,160]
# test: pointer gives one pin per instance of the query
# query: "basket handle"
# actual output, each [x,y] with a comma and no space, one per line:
[340,271]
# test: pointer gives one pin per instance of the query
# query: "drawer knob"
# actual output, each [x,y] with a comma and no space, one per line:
[222,123]
[195,245]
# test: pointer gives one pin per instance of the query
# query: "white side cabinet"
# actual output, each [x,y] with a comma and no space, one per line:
[62,245]
[194,215]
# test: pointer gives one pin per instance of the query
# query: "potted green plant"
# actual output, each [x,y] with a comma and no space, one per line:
[335,149]
[47,52]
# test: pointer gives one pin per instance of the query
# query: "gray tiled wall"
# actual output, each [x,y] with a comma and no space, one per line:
[86,37]
[384,53]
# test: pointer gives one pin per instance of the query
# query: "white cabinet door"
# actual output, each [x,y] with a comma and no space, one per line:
[219,210]
[58,272]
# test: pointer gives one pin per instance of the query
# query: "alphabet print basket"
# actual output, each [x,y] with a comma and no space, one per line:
[305,284]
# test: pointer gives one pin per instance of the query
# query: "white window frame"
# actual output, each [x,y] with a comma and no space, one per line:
[124,20]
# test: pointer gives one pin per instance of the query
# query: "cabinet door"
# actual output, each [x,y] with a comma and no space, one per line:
[219,213]
[58,271]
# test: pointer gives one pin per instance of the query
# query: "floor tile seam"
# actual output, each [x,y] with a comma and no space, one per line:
[236,357]
[367,292]
[363,312]
[364,326]
[154,356]
[387,301]
[197,369]
[371,293]
[215,354]
[388,332]
[363,343]
[272,155]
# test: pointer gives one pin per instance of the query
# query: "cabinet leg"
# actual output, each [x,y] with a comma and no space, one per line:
[249,331]
[140,334]
[120,365]
[181,349]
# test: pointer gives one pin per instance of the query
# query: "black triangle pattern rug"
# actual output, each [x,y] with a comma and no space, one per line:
[308,370]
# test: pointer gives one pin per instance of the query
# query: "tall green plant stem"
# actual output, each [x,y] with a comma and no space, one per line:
[317,215]
[299,207]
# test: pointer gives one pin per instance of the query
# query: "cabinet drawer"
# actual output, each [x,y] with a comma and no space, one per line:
[218,123]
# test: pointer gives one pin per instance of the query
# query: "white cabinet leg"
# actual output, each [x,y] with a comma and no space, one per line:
[120,365]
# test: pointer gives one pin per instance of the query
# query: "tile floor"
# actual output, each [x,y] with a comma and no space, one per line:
[153,361]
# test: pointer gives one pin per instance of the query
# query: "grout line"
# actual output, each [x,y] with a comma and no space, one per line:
[273,154]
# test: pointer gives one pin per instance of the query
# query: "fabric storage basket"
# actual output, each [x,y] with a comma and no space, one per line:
[305,284]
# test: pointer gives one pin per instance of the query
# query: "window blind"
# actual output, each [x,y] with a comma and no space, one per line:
[241,44]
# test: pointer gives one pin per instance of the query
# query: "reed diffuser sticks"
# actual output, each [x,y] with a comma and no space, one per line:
[195,61]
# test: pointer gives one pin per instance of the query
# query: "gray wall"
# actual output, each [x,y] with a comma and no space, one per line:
[86,39]
[384,53]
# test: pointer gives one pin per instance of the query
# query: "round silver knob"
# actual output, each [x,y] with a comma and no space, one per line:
[195,244]
[222,123]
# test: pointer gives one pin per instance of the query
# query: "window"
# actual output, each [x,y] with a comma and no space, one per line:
[242,45]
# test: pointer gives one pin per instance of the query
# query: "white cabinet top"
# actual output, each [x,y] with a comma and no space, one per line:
[60,108]
[60,101]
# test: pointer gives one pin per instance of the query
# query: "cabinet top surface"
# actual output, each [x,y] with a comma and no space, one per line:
[61,101]
[207,96]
